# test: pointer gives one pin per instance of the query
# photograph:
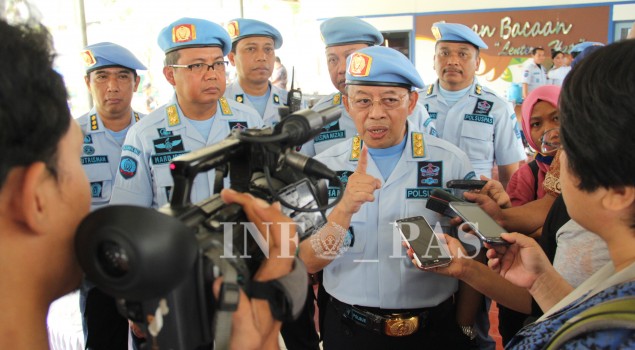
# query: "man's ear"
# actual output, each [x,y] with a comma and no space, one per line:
[346,103]
[31,191]
[87,81]
[136,83]
[232,58]
[168,72]
[414,97]
[619,198]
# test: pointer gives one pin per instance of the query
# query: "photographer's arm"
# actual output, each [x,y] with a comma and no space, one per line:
[253,326]
[318,251]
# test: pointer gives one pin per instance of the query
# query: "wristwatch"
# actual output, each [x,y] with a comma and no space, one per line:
[469,331]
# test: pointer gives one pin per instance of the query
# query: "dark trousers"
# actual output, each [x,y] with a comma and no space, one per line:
[509,322]
[300,334]
[438,331]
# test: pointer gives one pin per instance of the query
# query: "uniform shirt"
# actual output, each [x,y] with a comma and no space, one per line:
[375,270]
[144,177]
[534,75]
[277,98]
[556,76]
[344,128]
[481,123]
[100,156]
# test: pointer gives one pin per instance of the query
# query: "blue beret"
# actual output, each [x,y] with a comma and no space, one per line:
[108,54]
[457,32]
[583,45]
[382,66]
[193,32]
[349,30]
[240,28]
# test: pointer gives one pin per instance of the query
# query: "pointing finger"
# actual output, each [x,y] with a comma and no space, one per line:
[362,163]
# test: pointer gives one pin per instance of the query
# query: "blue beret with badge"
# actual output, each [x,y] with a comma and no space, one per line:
[457,32]
[106,54]
[349,30]
[241,28]
[583,45]
[381,66]
[193,32]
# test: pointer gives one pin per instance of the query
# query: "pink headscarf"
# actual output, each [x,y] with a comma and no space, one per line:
[547,93]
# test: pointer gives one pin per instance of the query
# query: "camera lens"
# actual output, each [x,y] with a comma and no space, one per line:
[113,259]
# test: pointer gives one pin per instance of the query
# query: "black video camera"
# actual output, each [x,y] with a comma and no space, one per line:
[160,264]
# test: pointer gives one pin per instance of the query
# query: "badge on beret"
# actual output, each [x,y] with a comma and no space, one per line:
[436,32]
[183,33]
[360,65]
[233,29]
[88,58]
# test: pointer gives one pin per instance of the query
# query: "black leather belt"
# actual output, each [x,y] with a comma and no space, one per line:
[394,324]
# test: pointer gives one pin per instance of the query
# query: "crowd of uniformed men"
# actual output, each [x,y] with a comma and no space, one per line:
[397,139]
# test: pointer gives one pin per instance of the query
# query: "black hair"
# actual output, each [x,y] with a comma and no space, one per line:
[34,110]
[133,71]
[598,117]
[536,49]
[555,53]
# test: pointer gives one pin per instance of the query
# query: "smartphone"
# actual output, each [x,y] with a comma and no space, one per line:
[301,195]
[439,202]
[429,251]
[486,228]
[466,184]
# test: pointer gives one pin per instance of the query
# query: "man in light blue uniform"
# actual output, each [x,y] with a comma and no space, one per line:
[467,114]
[111,78]
[197,116]
[343,36]
[534,72]
[395,304]
[253,54]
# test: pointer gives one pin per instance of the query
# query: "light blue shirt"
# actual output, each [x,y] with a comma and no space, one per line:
[480,123]
[144,177]
[120,135]
[204,127]
[260,102]
[100,155]
[387,158]
[452,97]
[277,98]
[375,271]
[344,128]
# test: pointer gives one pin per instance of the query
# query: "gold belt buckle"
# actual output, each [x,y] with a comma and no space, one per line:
[397,326]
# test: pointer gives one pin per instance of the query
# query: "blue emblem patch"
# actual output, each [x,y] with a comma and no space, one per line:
[483,107]
[89,150]
[430,174]
[88,138]
[128,167]
[469,176]
[168,144]
[96,188]
[238,125]
[517,131]
[343,175]
[163,132]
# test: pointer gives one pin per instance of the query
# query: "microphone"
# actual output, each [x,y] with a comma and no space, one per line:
[303,125]
[308,165]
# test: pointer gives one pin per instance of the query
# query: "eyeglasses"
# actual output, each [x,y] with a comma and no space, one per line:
[387,103]
[198,68]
